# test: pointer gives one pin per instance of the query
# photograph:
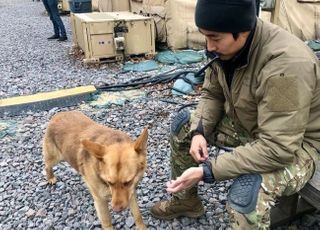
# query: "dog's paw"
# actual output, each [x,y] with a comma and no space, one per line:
[52,180]
[141,227]
[108,228]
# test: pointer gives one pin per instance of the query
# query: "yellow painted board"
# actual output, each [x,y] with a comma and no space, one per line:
[47,96]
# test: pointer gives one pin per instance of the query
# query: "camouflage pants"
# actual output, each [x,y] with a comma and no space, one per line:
[283,182]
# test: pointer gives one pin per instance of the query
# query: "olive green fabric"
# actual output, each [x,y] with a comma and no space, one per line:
[181,160]
[282,182]
[230,134]
[275,99]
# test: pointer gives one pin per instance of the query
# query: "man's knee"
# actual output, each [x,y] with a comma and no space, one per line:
[180,126]
[248,206]
[243,193]
[180,139]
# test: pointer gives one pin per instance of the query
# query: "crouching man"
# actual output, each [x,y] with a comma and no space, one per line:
[261,97]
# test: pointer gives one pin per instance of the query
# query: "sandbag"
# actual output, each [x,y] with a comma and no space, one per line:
[308,1]
[179,17]
[157,10]
[174,22]
[143,66]
[136,6]
[301,19]
[95,5]
[179,57]
[195,40]
[120,5]
[161,29]
[114,5]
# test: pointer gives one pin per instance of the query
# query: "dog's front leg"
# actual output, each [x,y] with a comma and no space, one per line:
[136,213]
[101,199]
[101,205]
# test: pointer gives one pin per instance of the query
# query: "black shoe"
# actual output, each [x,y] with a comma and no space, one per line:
[54,37]
[61,39]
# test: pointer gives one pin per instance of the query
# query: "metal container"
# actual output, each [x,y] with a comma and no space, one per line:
[80,6]
[139,35]
[111,36]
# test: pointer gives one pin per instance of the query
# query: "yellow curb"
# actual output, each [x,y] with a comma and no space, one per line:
[47,96]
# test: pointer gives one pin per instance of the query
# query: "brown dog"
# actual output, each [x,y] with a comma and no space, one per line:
[108,160]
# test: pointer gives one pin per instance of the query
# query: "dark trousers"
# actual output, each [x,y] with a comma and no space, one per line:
[52,9]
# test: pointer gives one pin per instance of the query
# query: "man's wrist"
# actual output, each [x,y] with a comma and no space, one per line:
[200,172]
[199,129]
[195,133]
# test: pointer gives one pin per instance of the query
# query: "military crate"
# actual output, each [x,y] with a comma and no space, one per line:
[137,31]
[94,34]
[112,36]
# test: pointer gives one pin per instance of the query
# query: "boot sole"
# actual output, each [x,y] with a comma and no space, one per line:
[176,215]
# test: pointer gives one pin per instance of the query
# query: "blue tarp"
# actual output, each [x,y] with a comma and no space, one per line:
[143,66]
[105,99]
[183,86]
[179,57]
[314,45]
[7,128]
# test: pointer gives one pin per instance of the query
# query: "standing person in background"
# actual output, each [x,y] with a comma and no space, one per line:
[53,12]
[260,101]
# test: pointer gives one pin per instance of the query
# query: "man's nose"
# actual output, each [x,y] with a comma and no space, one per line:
[211,46]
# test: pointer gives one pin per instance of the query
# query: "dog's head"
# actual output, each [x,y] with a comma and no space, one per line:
[120,165]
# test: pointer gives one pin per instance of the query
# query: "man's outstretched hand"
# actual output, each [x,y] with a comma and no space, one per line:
[187,179]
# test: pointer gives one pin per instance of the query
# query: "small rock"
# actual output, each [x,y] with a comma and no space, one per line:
[30,212]
[44,183]
[41,212]
[129,221]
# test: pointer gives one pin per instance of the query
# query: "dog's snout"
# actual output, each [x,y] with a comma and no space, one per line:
[118,207]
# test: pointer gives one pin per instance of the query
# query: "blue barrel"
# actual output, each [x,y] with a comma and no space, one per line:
[80,6]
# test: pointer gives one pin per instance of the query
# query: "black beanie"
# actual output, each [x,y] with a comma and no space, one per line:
[231,16]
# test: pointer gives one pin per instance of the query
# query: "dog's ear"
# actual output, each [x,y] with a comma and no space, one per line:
[93,148]
[140,145]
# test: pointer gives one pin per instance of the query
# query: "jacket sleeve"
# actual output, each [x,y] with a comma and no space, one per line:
[284,94]
[210,107]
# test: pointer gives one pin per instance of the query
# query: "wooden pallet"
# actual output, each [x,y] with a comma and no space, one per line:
[100,60]
[79,54]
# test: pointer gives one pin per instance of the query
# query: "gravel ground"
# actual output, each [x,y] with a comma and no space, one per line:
[29,64]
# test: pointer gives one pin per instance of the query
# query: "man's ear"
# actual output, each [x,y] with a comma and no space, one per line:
[140,145]
[93,148]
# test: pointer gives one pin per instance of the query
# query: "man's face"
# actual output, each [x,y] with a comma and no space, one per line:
[224,44]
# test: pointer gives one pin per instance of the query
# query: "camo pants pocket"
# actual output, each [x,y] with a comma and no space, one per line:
[284,182]
[299,173]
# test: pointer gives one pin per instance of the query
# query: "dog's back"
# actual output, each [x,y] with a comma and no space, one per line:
[66,130]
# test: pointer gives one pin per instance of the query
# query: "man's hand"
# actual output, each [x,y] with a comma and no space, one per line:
[187,179]
[199,149]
